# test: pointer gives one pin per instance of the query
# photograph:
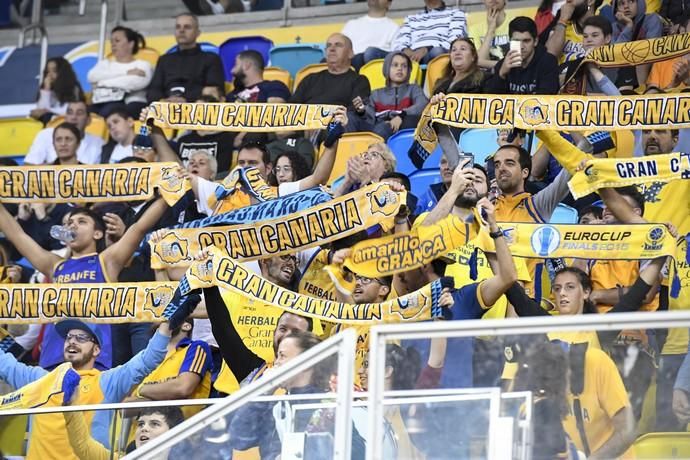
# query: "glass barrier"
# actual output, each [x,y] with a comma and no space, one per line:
[531,388]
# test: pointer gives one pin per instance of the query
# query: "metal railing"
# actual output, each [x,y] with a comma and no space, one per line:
[343,344]
[36,27]
[380,336]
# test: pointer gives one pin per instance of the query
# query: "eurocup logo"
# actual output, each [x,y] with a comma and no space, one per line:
[654,238]
[545,240]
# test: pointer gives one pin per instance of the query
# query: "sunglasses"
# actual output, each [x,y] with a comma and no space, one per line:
[80,338]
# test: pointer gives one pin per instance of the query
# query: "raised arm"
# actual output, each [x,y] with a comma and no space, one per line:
[119,253]
[484,57]
[493,288]
[324,166]
[620,208]
[44,261]
[462,178]
[80,439]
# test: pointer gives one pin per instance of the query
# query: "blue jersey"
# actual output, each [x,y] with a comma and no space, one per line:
[85,269]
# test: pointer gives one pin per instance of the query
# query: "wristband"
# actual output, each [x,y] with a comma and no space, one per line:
[562,23]
[496,234]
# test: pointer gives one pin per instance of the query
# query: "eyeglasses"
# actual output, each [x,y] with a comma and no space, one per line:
[371,155]
[288,258]
[285,169]
[80,338]
[366,281]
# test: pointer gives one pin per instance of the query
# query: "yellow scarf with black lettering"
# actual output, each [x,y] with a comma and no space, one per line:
[240,116]
[314,226]
[91,183]
[636,52]
[99,303]
[560,113]
[613,172]
[405,251]
[232,276]
[53,389]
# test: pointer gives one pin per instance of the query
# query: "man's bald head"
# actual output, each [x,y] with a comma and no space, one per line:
[339,53]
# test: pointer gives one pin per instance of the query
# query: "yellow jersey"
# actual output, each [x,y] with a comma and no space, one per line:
[572,47]
[677,339]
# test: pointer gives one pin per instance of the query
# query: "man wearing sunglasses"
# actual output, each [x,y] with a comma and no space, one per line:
[48,437]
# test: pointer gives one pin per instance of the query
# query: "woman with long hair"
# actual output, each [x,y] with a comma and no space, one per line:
[59,87]
[122,79]
[288,167]
[462,75]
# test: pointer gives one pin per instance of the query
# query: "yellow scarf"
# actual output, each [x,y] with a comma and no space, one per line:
[640,51]
[91,183]
[317,225]
[561,113]
[612,172]
[408,250]
[245,117]
[102,303]
[53,389]
[230,275]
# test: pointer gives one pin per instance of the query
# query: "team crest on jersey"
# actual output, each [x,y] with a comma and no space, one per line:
[534,113]
[172,249]
[653,239]
[384,200]
[409,307]
[157,299]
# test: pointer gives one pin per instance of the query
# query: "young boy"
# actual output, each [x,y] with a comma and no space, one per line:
[398,105]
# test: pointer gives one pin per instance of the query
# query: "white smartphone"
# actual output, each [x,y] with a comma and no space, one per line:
[515,46]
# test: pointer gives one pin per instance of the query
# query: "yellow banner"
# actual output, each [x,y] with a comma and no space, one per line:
[614,242]
[613,172]
[91,183]
[53,389]
[335,219]
[640,51]
[97,303]
[409,250]
[230,275]
[245,117]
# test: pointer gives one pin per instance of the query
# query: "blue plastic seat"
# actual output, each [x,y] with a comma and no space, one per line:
[422,179]
[294,57]
[479,142]
[205,46]
[81,66]
[5,6]
[231,47]
[400,143]
[563,214]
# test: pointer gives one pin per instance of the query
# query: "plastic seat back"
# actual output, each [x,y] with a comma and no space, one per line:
[663,445]
[400,144]
[422,179]
[434,71]
[231,47]
[308,70]
[480,142]
[17,135]
[373,70]
[295,57]
[351,144]
[563,214]
[279,74]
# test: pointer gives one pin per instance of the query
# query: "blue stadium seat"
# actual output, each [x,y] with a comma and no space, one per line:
[5,6]
[423,178]
[400,143]
[81,66]
[563,214]
[234,46]
[294,57]
[205,46]
[479,142]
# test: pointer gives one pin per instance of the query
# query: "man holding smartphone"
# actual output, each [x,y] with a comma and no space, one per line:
[527,68]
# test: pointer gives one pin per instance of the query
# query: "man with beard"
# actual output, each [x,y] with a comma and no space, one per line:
[82,345]
[563,38]
[250,86]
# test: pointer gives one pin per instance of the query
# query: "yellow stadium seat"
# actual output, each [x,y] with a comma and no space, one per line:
[351,144]
[663,445]
[96,126]
[229,86]
[434,71]
[373,70]
[276,73]
[308,70]
[17,135]
[12,434]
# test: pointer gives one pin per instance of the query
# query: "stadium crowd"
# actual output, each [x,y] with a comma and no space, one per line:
[631,382]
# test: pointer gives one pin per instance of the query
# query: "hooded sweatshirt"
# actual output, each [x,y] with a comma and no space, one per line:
[644,25]
[539,77]
[386,103]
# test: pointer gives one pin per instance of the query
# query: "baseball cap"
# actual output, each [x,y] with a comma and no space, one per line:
[64,326]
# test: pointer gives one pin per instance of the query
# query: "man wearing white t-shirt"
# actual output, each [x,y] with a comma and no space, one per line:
[89,152]
[372,34]
[121,131]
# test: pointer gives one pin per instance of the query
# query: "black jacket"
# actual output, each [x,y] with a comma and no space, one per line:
[539,77]
[192,69]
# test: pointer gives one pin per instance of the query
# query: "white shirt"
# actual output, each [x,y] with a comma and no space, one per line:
[113,74]
[368,32]
[120,152]
[43,152]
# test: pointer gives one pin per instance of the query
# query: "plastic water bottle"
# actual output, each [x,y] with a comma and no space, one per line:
[62,233]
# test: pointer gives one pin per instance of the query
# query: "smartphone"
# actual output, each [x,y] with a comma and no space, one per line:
[515,46]
[467,160]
